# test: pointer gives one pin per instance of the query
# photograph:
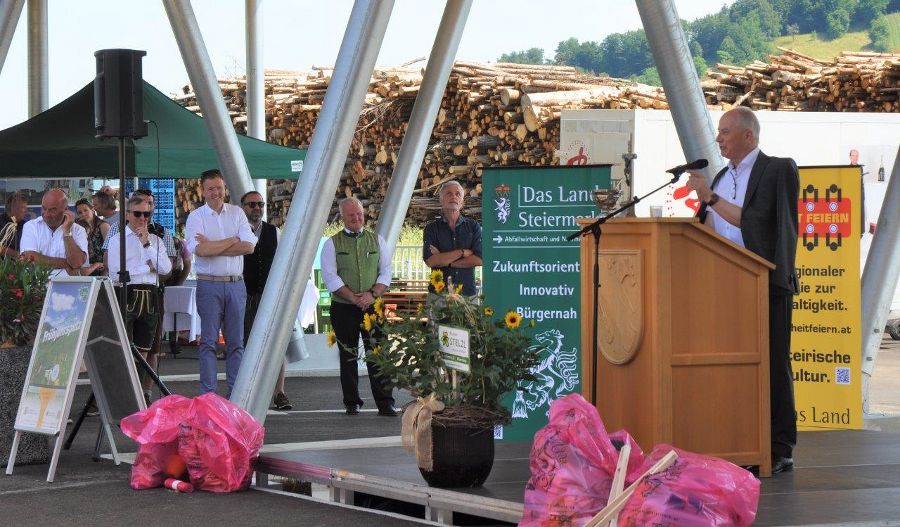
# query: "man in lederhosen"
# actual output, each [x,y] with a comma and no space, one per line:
[146,261]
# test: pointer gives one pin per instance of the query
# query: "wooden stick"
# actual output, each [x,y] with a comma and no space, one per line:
[618,482]
[613,508]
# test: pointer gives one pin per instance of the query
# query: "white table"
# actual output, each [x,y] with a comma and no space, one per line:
[180,306]
[180,303]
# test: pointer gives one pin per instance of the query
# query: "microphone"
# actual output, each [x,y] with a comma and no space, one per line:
[693,165]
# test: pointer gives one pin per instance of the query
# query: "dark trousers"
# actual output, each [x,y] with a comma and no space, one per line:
[346,320]
[781,379]
[142,314]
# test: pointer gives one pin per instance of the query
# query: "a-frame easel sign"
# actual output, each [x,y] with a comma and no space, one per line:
[80,319]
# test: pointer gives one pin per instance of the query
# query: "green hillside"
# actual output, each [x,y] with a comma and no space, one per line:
[894,28]
[810,44]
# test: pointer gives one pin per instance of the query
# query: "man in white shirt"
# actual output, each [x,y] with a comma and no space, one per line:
[147,264]
[54,239]
[219,235]
[357,270]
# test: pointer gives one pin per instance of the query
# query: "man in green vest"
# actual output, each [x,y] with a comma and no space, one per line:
[357,270]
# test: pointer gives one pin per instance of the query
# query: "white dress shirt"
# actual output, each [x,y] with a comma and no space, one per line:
[329,266]
[218,226]
[37,237]
[732,187]
[138,259]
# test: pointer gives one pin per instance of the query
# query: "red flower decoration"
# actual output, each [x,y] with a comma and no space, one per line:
[18,292]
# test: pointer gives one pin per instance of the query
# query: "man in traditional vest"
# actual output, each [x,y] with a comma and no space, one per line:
[256,271]
[357,270]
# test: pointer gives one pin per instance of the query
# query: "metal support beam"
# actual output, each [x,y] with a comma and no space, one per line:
[421,122]
[209,97]
[38,70]
[256,91]
[672,56]
[10,12]
[879,278]
[312,201]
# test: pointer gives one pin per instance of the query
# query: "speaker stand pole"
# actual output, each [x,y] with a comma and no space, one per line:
[595,347]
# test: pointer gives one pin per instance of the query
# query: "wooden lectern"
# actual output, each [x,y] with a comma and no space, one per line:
[683,338]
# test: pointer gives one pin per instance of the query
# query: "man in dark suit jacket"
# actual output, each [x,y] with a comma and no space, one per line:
[753,202]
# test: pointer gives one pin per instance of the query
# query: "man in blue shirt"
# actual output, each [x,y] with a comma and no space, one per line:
[452,243]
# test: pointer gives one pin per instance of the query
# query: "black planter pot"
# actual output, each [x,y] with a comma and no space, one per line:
[33,448]
[462,456]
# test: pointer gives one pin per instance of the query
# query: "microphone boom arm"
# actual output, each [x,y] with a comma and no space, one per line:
[588,229]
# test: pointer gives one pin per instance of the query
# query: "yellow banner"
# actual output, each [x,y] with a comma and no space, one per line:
[825,340]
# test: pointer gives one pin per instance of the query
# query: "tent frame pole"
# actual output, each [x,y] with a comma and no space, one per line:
[678,74]
[10,12]
[209,97]
[879,278]
[38,70]
[256,117]
[311,204]
[421,121]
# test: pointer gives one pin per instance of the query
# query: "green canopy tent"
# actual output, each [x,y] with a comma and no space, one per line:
[59,143]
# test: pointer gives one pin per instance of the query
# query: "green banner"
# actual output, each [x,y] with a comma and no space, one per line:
[529,267]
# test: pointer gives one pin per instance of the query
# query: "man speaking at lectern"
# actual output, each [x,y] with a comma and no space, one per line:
[753,202]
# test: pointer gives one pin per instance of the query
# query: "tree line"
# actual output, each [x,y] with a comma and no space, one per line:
[737,34]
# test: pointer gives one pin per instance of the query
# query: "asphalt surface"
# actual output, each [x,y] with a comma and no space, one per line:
[86,492]
[98,493]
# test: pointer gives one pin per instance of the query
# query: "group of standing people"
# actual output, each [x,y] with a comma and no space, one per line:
[752,202]
[356,268]
[233,250]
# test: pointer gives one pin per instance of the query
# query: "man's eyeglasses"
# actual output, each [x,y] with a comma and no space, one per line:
[255,204]
[141,213]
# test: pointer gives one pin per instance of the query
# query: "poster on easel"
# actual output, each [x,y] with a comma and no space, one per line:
[79,321]
[55,357]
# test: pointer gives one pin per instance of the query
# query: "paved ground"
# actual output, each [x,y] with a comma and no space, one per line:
[98,492]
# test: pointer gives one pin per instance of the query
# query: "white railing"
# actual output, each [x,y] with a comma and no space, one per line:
[407,263]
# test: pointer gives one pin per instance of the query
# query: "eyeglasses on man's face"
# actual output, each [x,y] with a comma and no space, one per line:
[255,204]
[142,213]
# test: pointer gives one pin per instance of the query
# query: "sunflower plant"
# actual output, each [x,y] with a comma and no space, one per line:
[501,353]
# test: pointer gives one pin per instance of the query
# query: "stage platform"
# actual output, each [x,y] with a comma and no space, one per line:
[840,478]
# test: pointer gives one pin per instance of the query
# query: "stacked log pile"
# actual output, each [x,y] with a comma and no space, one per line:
[490,115]
[508,115]
[851,82]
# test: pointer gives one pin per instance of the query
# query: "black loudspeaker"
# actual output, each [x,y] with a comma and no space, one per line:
[119,94]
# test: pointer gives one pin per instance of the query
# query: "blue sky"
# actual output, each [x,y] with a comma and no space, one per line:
[297,35]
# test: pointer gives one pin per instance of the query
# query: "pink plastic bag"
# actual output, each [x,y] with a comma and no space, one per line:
[572,465]
[219,441]
[156,431]
[695,491]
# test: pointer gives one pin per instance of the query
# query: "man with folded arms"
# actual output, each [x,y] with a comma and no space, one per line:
[147,263]
[219,235]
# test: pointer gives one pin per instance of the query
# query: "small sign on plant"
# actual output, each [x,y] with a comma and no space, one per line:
[454,345]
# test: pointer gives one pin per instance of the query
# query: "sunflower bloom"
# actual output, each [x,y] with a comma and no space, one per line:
[331,338]
[439,286]
[376,350]
[458,289]
[436,276]
[512,319]
[367,322]
[379,307]
[488,311]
